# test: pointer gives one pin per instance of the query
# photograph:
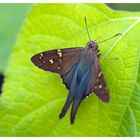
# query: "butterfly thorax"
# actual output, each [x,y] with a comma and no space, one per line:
[92,44]
[85,60]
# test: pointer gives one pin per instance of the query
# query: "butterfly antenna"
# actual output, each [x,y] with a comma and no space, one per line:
[87,28]
[110,37]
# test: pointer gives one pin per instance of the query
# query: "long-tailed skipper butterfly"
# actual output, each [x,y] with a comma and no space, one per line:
[80,71]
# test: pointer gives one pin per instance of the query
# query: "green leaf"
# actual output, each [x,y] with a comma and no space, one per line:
[33,98]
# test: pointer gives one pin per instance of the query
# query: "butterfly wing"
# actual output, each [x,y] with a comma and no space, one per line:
[63,62]
[98,84]
[59,61]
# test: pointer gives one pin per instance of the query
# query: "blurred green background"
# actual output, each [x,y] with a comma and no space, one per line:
[12,17]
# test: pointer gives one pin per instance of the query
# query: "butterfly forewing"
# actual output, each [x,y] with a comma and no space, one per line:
[59,61]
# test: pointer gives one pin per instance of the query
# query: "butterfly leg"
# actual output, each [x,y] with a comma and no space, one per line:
[104,56]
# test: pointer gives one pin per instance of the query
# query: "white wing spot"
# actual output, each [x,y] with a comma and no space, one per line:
[51,61]
[95,87]
[58,68]
[58,50]
[59,53]
[100,86]
[41,55]
[100,73]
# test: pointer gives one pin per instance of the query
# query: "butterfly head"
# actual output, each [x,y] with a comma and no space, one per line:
[92,44]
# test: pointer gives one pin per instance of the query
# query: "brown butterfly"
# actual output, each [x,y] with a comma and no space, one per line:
[80,70]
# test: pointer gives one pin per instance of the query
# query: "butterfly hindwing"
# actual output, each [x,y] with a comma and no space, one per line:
[59,61]
[99,86]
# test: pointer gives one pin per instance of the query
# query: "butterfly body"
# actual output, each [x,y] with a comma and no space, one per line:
[80,71]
